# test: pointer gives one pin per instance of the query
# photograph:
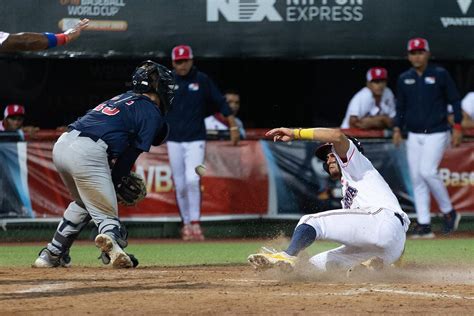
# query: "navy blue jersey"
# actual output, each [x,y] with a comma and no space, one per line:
[194,92]
[128,119]
[422,101]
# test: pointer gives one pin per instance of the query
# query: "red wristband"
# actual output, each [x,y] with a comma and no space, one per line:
[61,38]
[457,127]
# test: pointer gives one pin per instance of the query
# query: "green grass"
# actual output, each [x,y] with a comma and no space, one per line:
[177,254]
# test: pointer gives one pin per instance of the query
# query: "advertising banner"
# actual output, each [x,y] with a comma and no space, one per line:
[457,171]
[251,28]
[255,178]
[235,182]
[14,195]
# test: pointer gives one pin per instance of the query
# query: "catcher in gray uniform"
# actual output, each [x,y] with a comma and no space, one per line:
[94,158]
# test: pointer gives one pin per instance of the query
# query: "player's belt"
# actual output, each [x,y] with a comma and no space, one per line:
[399,217]
[84,134]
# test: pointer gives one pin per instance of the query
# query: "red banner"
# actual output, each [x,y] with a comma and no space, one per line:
[235,182]
[457,171]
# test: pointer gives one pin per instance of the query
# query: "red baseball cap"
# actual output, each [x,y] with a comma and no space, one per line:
[418,44]
[13,109]
[377,73]
[181,52]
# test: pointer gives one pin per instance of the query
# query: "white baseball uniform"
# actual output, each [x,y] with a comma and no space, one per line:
[424,154]
[363,104]
[370,223]
[467,104]
[184,157]
[3,37]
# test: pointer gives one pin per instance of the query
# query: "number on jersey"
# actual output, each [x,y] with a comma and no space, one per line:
[107,110]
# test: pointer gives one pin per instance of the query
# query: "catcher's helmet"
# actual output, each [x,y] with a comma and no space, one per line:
[153,77]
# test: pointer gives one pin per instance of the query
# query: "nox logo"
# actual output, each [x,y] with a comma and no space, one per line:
[464,5]
[242,10]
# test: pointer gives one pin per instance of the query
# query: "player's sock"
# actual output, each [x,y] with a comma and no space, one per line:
[303,236]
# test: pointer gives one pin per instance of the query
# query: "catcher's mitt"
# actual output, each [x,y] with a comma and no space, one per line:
[131,190]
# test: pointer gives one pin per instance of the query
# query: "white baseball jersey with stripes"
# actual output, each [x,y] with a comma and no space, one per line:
[370,223]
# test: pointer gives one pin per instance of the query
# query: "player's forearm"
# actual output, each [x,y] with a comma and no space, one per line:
[232,122]
[32,41]
[24,42]
[354,122]
[124,164]
[330,135]
[467,121]
[376,122]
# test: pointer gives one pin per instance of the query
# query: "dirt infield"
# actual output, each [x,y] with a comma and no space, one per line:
[233,290]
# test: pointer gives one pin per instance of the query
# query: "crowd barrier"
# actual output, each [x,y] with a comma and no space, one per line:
[257,178]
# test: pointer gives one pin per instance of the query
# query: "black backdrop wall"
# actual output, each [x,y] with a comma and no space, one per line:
[296,62]
[274,91]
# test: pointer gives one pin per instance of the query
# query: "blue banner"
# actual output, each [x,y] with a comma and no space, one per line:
[14,196]
[299,184]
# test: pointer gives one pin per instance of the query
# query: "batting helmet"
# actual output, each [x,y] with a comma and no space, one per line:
[153,77]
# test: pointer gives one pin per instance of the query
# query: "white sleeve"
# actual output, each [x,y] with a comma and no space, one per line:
[467,104]
[355,164]
[392,110]
[354,108]
[3,37]
[208,122]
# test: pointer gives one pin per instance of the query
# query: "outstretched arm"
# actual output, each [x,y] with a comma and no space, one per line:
[325,135]
[40,41]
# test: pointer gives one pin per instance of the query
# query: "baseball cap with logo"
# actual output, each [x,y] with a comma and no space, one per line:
[377,73]
[181,52]
[418,44]
[13,109]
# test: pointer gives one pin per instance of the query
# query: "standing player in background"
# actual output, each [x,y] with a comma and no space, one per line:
[39,41]
[423,95]
[96,155]
[186,141]
[371,225]
[373,107]
[219,122]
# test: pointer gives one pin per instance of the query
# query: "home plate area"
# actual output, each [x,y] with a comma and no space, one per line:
[236,289]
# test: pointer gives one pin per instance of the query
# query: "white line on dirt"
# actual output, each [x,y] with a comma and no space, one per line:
[359,291]
[426,294]
[46,288]
[251,281]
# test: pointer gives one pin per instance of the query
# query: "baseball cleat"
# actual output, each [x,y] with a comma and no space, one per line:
[187,232]
[118,257]
[197,232]
[422,232]
[267,260]
[47,259]
[451,222]
[373,264]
